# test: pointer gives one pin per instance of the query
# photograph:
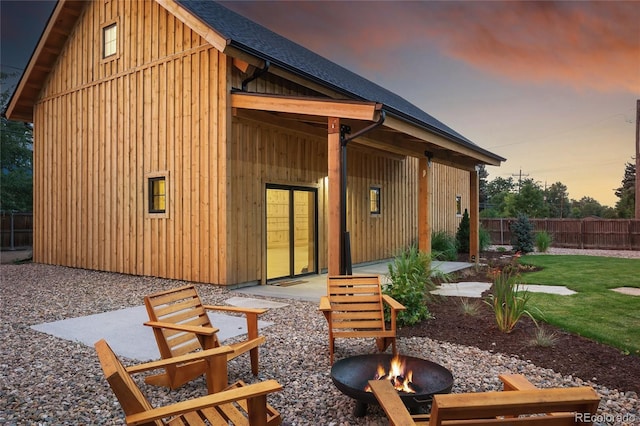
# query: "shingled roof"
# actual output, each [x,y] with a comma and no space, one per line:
[250,37]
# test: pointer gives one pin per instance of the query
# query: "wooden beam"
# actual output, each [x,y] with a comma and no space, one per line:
[310,106]
[424,227]
[474,217]
[334,200]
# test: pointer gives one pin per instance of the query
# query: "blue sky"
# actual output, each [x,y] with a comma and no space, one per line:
[551,86]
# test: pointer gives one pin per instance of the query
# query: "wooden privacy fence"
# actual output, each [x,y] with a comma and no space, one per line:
[609,234]
[16,230]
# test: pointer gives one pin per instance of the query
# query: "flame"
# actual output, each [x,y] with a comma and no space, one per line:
[398,375]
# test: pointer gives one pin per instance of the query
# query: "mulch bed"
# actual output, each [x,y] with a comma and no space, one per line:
[570,355]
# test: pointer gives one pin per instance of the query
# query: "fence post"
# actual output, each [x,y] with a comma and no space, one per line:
[501,233]
[11,233]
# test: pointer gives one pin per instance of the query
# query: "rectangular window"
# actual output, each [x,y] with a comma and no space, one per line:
[157,195]
[109,40]
[374,200]
[458,205]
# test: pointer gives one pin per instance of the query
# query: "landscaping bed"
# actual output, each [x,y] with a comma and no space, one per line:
[570,354]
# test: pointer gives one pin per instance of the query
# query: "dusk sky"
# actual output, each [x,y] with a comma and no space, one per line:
[550,86]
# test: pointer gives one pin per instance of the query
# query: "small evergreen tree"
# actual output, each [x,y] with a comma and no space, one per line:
[522,238]
[462,235]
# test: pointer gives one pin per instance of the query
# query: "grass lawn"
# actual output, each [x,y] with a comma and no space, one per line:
[595,312]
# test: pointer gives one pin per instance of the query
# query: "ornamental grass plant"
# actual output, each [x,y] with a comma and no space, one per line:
[508,300]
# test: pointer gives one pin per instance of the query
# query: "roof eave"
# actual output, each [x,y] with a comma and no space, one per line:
[248,50]
[55,34]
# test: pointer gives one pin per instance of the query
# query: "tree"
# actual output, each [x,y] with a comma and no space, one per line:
[625,207]
[482,186]
[496,191]
[463,233]
[522,234]
[588,206]
[529,201]
[16,161]
[557,200]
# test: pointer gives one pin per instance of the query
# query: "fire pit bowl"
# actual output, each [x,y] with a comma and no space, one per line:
[351,376]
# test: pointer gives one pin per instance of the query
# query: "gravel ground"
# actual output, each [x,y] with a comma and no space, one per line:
[47,380]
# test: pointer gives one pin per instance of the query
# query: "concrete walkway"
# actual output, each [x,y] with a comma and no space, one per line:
[312,287]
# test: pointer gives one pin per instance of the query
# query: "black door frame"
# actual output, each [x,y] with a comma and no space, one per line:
[291,189]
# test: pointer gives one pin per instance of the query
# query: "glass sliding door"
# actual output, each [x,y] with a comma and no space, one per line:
[291,226]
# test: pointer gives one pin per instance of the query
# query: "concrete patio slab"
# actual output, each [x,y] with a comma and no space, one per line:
[462,289]
[312,287]
[549,289]
[630,291]
[475,289]
[126,334]
[250,302]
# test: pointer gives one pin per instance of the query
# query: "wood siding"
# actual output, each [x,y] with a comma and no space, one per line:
[261,154]
[160,107]
[102,125]
[446,183]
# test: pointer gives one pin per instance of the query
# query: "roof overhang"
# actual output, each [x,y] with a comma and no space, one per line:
[396,136]
[60,24]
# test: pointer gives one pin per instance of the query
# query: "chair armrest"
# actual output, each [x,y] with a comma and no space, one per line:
[195,356]
[516,382]
[393,303]
[223,397]
[205,331]
[236,309]
[325,304]
[390,402]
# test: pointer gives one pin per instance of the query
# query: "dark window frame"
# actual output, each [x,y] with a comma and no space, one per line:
[375,203]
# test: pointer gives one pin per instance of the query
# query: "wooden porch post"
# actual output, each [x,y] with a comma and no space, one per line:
[335,202]
[424,227]
[474,216]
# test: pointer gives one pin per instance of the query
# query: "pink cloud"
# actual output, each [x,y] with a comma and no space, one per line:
[581,44]
[585,45]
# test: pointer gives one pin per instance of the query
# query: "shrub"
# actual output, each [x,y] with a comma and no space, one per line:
[411,282]
[508,300]
[462,235]
[522,235]
[485,238]
[543,241]
[443,246]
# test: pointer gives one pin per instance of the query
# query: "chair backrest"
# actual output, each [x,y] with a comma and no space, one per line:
[177,306]
[356,303]
[570,406]
[128,393]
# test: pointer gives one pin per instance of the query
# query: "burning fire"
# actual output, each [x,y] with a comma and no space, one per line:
[400,378]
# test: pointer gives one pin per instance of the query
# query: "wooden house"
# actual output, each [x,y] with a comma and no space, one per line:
[178,139]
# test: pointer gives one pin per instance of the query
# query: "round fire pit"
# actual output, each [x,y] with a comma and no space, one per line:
[351,376]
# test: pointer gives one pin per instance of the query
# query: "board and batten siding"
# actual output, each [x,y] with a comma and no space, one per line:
[102,126]
[261,154]
[445,184]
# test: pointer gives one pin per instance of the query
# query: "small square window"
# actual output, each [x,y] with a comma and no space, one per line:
[374,200]
[458,205]
[109,40]
[157,195]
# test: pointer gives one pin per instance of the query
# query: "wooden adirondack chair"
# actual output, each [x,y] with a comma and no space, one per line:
[239,404]
[354,307]
[181,325]
[523,404]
